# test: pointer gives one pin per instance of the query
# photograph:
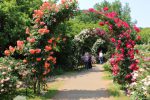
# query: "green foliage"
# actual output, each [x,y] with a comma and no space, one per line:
[42,43]
[66,46]
[144,48]
[98,44]
[74,28]
[83,42]
[122,11]
[107,67]
[145,35]
[15,15]
[88,18]
[115,89]
[58,70]
[65,56]
[70,52]
[50,91]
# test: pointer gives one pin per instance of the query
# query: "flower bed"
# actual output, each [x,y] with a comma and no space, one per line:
[140,89]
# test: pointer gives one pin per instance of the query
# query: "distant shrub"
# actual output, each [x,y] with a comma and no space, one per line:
[145,35]
[107,66]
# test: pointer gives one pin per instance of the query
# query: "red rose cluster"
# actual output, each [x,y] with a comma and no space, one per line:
[124,38]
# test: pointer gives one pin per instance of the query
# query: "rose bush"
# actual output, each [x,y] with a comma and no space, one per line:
[83,42]
[12,74]
[140,89]
[124,37]
[41,43]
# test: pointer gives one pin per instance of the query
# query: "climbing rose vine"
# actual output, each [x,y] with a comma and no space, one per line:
[124,37]
[41,42]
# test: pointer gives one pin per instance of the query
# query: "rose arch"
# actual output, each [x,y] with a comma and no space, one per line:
[90,40]
[41,43]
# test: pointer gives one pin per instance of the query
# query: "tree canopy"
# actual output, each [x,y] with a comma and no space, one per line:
[15,15]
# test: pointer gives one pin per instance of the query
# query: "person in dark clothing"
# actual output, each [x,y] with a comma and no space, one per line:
[90,61]
[87,60]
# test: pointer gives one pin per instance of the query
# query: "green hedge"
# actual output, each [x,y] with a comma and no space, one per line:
[145,35]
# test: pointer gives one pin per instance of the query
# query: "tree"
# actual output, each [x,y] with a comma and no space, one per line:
[15,15]
[122,11]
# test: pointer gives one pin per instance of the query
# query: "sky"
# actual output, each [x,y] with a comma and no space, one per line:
[140,9]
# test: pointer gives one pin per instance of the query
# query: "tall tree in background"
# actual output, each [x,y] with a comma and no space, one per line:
[123,11]
[15,15]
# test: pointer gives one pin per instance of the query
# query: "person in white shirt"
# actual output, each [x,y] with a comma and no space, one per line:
[101,57]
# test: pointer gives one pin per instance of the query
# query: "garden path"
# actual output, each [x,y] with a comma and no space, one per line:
[84,85]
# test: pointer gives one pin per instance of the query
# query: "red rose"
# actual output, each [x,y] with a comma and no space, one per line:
[20,43]
[38,59]
[136,29]
[38,50]
[46,65]
[31,40]
[48,48]
[27,30]
[101,23]
[91,10]
[7,52]
[42,23]
[105,8]
[113,40]
[128,45]
[138,38]
[11,49]
[128,76]
[25,61]
[32,51]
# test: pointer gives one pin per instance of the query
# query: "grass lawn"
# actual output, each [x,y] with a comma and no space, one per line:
[52,90]
[115,89]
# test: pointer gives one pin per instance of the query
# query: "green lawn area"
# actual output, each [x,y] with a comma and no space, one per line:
[52,90]
[114,88]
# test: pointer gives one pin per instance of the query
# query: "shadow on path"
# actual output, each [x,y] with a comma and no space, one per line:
[82,94]
[84,85]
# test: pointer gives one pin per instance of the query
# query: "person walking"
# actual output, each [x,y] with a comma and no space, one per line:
[86,59]
[101,57]
[90,61]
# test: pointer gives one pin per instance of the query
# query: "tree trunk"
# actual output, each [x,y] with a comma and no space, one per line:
[39,86]
[34,86]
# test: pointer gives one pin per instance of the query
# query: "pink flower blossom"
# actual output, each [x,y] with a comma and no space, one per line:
[20,43]
[105,8]
[113,40]
[31,40]
[125,24]
[111,15]
[128,76]
[42,23]
[136,29]
[138,38]
[101,23]
[91,10]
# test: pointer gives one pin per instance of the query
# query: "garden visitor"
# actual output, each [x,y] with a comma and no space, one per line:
[101,57]
[90,61]
[86,59]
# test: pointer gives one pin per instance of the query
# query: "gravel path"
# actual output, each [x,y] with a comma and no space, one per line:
[85,85]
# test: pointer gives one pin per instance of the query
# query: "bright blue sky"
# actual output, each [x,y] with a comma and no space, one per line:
[140,9]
